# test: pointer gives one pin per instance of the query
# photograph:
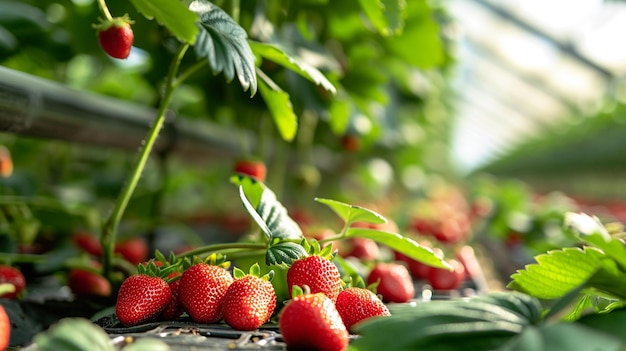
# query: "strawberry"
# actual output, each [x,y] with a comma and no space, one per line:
[311,322]
[6,163]
[350,142]
[83,282]
[13,276]
[250,299]
[202,290]
[88,243]
[173,309]
[443,279]
[250,167]
[116,36]
[134,250]
[318,273]
[142,298]
[394,282]
[5,329]
[357,304]
[361,248]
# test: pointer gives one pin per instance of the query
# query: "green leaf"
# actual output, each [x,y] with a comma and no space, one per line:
[558,272]
[284,253]
[279,104]
[610,323]
[420,43]
[268,213]
[276,54]
[402,244]
[172,14]
[340,115]
[353,213]
[478,324]
[387,16]
[74,334]
[224,43]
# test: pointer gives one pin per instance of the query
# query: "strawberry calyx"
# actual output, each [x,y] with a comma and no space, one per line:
[313,247]
[120,22]
[255,271]
[297,290]
[214,259]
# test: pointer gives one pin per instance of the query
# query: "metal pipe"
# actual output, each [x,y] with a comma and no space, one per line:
[36,107]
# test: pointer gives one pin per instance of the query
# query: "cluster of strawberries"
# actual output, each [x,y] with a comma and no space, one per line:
[320,313]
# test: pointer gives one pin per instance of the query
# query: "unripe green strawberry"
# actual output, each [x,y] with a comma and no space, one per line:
[116,37]
[316,272]
[358,304]
[250,300]
[202,290]
[311,322]
[142,298]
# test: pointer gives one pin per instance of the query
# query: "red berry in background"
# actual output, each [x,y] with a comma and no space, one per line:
[395,282]
[6,163]
[443,279]
[5,329]
[116,37]
[250,167]
[418,269]
[202,290]
[312,322]
[134,250]
[350,142]
[316,272]
[84,283]
[361,248]
[358,304]
[13,276]
[142,298]
[467,256]
[88,243]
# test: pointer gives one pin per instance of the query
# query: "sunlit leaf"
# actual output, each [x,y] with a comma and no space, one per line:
[353,213]
[267,211]
[387,16]
[558,272]
[277,55]
[402,244]
[224,44]
[279,104]
[173,14]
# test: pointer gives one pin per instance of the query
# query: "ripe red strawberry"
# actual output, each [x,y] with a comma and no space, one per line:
[252,168]
[87,283]
[13,276]
[357,304]
[6,163]
[134,250]
[88,243]
[5,329]
[250,300]
[311,322]
[202,290]
[142,298]
[361,248]
[351,142]
[316,272]
[395,283]
[173,309]
[116,37]
[443,279]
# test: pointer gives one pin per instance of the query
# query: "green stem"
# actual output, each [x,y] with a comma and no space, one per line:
[105,10]
[109,230]
[189,72]
[224,246]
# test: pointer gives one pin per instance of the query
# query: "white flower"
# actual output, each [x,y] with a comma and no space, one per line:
[586,224]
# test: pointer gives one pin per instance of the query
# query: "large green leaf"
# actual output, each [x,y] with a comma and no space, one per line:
[420,43]
[224,44]
[591,230]
[279,104]
[558,272]
[481,323]
[74,334]
[352,213]
[267,211]
[402,244]
[387,16]
[173,14]
[284,252]
[277,55]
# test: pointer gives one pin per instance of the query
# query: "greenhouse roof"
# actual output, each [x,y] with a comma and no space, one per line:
[527,65]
